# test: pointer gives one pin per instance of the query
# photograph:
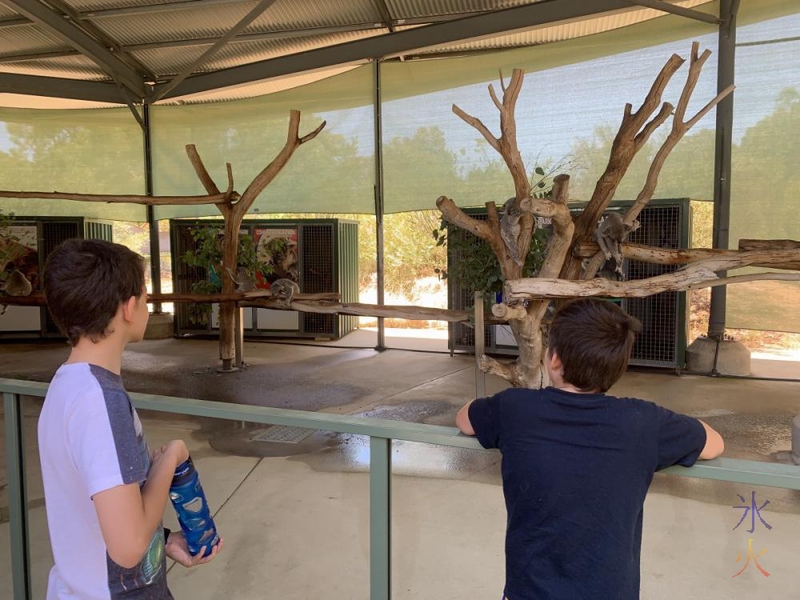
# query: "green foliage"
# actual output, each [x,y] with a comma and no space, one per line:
[410,254]
[208,256]
[478,268]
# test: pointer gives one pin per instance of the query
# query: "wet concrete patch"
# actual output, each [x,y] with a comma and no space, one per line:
[753,436]
[425,411]
[350,453]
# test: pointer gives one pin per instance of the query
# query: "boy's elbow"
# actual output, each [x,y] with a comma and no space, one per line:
[131,554]
[715,445]
[462,421]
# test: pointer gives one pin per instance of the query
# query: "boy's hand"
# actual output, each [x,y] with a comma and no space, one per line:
[176,449]
[177,550]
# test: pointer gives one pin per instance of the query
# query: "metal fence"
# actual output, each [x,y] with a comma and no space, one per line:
[380,431]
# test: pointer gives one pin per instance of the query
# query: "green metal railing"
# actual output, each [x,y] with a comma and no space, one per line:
[380,431]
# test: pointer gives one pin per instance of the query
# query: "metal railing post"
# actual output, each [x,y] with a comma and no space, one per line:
[380,518]
[17,497]
[480,346]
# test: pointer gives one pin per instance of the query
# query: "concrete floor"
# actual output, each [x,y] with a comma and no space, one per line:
[295,517]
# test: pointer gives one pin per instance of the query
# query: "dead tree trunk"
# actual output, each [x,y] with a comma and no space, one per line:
[525,311]
[233,213]
[510,238]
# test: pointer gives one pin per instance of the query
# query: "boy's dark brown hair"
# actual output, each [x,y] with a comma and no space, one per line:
[85,281]
[593,338]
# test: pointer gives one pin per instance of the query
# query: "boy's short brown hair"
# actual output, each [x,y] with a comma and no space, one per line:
[593,339]
[85,281]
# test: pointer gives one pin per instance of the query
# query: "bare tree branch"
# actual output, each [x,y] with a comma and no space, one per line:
[696,275]
[265,177]
[497,102]
[504,370]
[563,226]
[693,277]
[452,214]
[679,129]
[478,124]
[202,172]
[121,198]
[628,141]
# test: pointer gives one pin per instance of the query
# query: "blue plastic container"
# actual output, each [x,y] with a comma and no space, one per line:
[190,503]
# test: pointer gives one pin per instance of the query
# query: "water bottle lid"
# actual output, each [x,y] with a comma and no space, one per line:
[183,472]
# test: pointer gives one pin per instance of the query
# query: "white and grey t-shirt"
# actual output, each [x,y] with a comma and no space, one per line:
[91,440]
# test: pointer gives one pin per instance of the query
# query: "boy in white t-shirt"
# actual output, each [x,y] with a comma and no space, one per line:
[104,492]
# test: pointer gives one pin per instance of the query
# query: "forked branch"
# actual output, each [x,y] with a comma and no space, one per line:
[679,128]
[632,136]
[486,230]
[265,177]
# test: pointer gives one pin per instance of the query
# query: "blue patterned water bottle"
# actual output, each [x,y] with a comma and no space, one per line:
[190,503]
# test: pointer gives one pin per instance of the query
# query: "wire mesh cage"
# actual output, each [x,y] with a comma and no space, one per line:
[45,233]
[320,255]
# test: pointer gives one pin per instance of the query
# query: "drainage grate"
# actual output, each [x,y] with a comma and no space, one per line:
[282,434]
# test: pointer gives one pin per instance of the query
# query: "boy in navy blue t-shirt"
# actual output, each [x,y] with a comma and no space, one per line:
[577,463]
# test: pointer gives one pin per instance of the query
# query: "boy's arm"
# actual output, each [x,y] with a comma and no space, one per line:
[481,418]
[129,515]
[462,420]
[714,443]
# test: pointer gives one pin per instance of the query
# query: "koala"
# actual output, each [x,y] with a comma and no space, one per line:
[16,285]
[610,233]
[243,281]
[510,228]
[284,290]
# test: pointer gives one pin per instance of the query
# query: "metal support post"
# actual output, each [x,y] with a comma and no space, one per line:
[380,518]
[480,347]
[238,338]
[722,156]
[379,198]
[17,497]
[155,247]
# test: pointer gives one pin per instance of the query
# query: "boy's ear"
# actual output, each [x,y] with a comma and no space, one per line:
[554,360]
[129,308]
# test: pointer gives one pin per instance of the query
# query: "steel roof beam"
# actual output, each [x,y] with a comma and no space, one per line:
[55,87]
[245,37]
[386,15]
[26,56]
[283,34]
[251,16]
[521,17]
[55,24]
[101,36]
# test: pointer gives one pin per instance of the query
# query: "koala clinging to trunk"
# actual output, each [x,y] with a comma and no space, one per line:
[244,282]
[510,228]
[610,233]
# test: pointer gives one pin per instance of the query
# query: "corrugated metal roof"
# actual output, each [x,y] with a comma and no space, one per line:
[27,38]
[263,88]
[166,61]
[408,9]
[556,33]
[68,67]
[211,21]
[167,42]
[6,12]
[301,14]
[87,5]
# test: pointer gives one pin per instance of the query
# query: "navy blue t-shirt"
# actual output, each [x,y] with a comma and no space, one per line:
[576,468]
